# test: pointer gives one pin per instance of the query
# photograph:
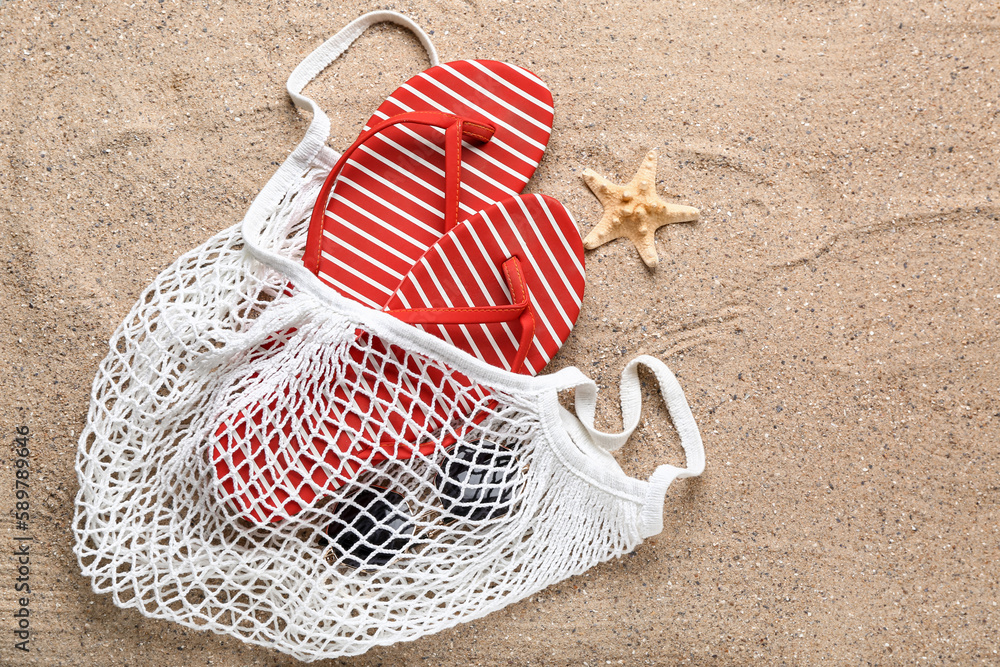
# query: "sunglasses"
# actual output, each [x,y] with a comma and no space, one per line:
[375,524]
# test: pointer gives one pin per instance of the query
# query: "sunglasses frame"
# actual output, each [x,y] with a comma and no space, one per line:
[446,514]
[346,555]
[449,506]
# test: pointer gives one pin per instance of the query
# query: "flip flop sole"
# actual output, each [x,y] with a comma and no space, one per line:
[387,206]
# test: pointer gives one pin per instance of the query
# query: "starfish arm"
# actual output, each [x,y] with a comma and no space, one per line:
[664,213]
[646,245]
[602,188]
[606,230]
[645,179]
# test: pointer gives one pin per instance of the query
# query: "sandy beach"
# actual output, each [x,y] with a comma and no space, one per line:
[833,317]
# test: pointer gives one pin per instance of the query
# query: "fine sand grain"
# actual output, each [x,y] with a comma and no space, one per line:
[833,317]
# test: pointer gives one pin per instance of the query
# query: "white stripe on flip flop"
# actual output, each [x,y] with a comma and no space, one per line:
[351,250]
[506,105]
[548,251]
[472,149]
[475,107]
[497,163]
[344,289]
[512,87]
[398,190]
[357,274]
[562,237]
[381,223]
[538,270]
[510,149]
[360,232]
[538,274]
[389,205]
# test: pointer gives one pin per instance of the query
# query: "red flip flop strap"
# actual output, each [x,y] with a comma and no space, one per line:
[463,128]
[452,173]
[520,309]
[457,128]
[514,277]
[527,336]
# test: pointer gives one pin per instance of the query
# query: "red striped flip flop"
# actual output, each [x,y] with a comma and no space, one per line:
[451,141]
[505,286]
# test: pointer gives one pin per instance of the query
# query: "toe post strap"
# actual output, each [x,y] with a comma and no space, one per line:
[519,309]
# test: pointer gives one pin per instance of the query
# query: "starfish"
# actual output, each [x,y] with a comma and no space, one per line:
[633,210]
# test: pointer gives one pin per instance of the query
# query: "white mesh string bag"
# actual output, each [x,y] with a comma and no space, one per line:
[266,459]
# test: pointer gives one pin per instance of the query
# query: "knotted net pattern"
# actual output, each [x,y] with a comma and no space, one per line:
[259,465]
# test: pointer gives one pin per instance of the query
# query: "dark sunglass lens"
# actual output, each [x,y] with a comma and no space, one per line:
[371,528]
[478,484]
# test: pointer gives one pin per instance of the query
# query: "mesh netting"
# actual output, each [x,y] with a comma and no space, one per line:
[258,464]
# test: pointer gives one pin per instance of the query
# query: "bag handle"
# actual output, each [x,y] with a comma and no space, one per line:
[631,402]
[330,50]
[650,519]
[314,141]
